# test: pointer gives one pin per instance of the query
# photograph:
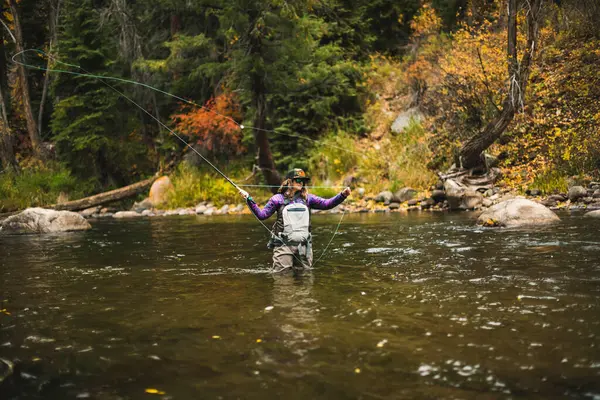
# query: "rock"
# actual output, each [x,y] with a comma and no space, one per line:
[88,212]
[494,197]
[557,197]
[533,192]
[438,196]
[439,185]
[210,211]
[412,202]
[460,198]
[594,185]
[201,209]
[517,212]
[488,193]
[404,119]
[224,209]
[577,192]
[487,202]
[145,204]
[596,194]
[593,214]
[41,220]
[427,203]
[549,202]
[586,200]
[126,214]
[239,208]
[384,197]
[148,213]
[160,190]
[405,194]
[361,192]
[394,206]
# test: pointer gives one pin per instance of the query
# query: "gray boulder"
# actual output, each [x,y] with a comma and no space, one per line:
[145,204]
[405,194]
[517,212]
[593,214]
[577,192]
[41,220]
[461,198]
[384,197]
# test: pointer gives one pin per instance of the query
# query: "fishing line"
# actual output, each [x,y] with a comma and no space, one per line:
[330,240]
[88,74]
[277,186]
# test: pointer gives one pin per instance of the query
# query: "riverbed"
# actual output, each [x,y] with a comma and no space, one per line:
[402,306]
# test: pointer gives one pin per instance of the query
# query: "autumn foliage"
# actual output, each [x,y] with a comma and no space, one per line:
[214,125]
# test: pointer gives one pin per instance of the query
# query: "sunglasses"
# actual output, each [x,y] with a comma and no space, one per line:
[298,180]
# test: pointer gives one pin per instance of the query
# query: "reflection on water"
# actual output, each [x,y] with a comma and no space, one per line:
[402,306]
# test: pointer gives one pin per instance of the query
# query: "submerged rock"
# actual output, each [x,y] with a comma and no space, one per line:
[593,214]
[41,220]
[517,212]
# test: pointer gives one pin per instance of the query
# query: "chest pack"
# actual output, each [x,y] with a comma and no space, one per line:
[296,223]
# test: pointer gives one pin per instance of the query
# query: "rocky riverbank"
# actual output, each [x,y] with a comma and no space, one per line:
[403,200]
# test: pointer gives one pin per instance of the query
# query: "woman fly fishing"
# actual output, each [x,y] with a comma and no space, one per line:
[291,239]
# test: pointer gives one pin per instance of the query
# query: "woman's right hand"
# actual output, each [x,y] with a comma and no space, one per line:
[244,194]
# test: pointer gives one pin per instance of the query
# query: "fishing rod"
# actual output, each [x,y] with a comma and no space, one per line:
[99,77]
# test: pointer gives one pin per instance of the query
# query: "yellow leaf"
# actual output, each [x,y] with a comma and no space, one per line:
[154,391]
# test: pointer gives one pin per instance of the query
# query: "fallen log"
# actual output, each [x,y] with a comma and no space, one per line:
[106,197]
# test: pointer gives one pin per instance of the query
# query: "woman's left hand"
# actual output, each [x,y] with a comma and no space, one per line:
[346,192]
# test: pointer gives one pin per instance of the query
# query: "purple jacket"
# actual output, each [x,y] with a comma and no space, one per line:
[277,201]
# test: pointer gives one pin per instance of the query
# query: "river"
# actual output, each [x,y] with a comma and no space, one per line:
[402,306]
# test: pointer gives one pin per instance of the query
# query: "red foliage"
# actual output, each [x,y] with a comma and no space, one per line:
[213,125]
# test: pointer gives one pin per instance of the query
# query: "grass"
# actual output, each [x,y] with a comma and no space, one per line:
[193,185]
[39,186]
[550,182]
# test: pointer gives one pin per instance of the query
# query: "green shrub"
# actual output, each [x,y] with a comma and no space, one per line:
[39,186]
[550,182]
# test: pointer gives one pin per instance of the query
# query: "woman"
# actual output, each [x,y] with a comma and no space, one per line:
[291,243]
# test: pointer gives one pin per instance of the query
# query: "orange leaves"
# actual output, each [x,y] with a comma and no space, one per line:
[213,125]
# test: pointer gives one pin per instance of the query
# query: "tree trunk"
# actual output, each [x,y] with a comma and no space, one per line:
[53,23]
[106,197]
[265,157]
[34,136]
[7,154]
[258,89]
[518,73]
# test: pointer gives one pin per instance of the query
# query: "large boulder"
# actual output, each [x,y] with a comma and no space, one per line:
[517,212]
[41,220]
[577,192]
[160,190]
[593,214]
[461,198]
[405,194]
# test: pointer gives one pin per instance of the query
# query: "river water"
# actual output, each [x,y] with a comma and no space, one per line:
[402,306]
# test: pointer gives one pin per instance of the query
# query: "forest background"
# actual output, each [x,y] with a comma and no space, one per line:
[323,81]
